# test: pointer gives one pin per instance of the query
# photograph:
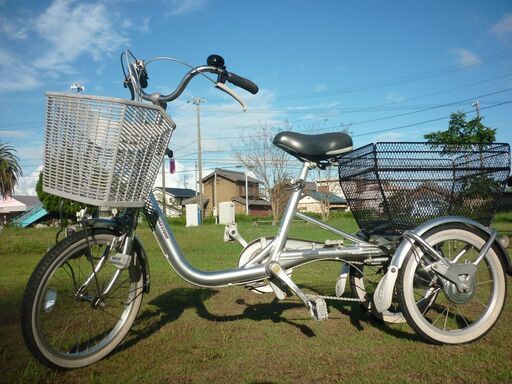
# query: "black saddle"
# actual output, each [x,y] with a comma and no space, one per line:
[313,148]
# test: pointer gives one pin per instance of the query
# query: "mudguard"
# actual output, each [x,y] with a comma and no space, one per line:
[384,293]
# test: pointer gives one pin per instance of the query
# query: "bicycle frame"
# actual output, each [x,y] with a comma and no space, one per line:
[275,251]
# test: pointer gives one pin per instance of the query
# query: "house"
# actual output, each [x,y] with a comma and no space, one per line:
[225,185]
[318,202]
[16,205]
[174,199]
[330,185]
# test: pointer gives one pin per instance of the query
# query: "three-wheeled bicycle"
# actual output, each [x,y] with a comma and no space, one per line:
[423,209]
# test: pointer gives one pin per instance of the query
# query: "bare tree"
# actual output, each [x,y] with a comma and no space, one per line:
[269,164]
[327,182]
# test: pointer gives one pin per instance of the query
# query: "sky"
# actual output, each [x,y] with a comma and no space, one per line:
[384,70]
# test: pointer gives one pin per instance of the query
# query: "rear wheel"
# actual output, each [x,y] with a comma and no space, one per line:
[433,306]
[77,306]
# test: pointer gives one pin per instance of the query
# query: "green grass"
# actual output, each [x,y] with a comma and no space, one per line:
[189,335]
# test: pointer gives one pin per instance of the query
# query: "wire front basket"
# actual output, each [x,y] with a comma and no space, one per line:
[103,151]
[392,187]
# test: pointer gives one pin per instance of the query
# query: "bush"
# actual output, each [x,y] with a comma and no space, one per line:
[504,216]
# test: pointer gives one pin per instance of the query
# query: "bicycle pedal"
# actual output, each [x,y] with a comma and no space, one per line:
[318,309]
[120,260]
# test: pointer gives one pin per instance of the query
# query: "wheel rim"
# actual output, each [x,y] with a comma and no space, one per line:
[442,312]
[71,326]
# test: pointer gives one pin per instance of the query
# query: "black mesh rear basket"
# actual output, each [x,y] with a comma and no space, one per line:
[391,187]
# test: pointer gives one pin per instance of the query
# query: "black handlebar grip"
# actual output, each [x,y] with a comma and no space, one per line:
[242,82]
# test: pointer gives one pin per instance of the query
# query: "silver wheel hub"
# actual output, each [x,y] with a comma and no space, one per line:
[453,294]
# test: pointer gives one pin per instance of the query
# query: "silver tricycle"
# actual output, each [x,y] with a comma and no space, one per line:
[423,211]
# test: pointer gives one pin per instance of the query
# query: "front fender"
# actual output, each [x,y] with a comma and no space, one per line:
[384,293]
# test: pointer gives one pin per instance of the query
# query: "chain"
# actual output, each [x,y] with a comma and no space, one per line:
[313,297]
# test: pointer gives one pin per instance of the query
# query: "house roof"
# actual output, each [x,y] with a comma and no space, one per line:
[196,200]
[326,196]
[230,175]
[29,201]
[18,203]
[253,202]
[179,192]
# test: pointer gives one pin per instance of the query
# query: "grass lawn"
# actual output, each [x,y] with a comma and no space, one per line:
[186,334]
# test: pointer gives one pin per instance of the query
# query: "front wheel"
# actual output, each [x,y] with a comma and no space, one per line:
[433,306]
[77,306]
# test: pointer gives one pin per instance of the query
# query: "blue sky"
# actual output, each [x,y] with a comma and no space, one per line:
[387,71]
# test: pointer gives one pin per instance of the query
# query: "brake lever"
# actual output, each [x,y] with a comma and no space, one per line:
[230,92]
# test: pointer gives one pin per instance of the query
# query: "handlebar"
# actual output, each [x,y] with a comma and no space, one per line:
[242,82]
[137,74]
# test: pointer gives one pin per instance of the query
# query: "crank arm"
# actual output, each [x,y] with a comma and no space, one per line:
[276,270]
[317,308]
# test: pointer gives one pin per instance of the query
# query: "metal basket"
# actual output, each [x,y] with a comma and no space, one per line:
[103,151]
[392,187]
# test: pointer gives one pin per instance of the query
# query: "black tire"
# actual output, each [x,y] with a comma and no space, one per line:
[66,329]
[433,307]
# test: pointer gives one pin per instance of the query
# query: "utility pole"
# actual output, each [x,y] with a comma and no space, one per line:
[246,194]
[197,102]
[197,179]
[476,104]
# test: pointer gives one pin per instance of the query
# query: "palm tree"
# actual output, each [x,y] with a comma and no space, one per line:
[10,170]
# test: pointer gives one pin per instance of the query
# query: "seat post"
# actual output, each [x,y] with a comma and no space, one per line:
[289,213]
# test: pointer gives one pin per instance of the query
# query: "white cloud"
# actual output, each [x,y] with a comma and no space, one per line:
[143,26]
[17,134]
[181,7]
[74,29]
[183,178]
[27,184]
[222,124]
[17,75]
[321,87]
[503,28]
[393,97]
[391,137]
[14,29]
[465,57]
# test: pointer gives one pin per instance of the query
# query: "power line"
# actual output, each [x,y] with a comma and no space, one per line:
[423,122]
[404,79]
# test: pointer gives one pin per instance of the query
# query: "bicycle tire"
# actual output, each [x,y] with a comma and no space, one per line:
[64,329]
[443,315]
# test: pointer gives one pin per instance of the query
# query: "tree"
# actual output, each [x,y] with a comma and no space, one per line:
[10,170]
[268,163]
[481,188]
[461,131]
[52,203]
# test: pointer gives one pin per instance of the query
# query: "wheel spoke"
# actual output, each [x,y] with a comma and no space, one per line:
[462,316]
[438,317]
[75,328]
[438,312]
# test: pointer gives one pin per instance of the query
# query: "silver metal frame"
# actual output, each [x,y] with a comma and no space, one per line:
[258,269]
